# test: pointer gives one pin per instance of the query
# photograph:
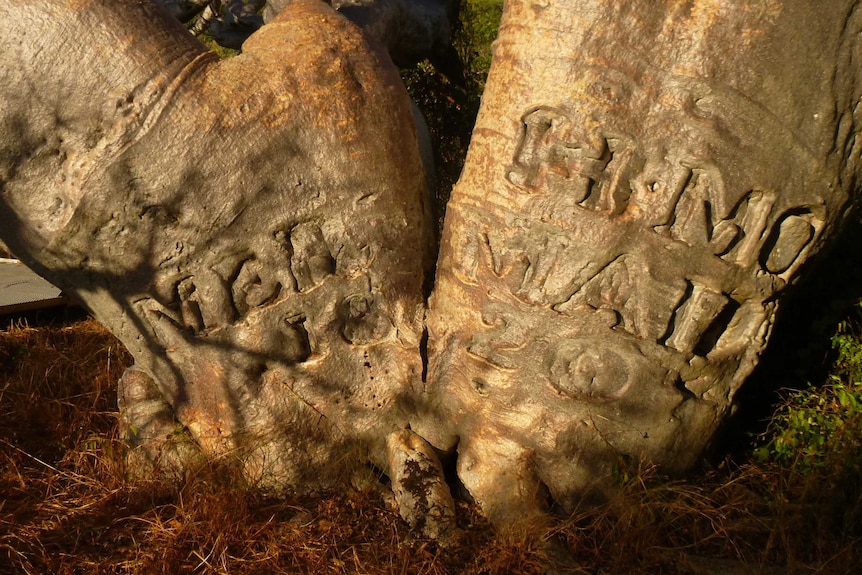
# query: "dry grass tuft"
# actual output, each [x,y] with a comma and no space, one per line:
[68,507]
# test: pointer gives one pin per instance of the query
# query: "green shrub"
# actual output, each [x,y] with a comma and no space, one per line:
[480,20]
[818,430]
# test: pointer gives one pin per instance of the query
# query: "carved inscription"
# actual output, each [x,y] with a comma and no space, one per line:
[570,172]
[587,171]
[552,156]
[364,322]
[625,291]
[555,156]
[594,371]
[789,238]
[311,261]
[535,263]
[253,287]
[222,293]
[694,315]
[506,334]
[697,221]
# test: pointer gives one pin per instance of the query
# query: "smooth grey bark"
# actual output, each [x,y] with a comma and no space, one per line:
[644,182]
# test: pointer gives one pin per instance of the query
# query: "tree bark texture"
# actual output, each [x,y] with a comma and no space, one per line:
[254,230]
[644,181]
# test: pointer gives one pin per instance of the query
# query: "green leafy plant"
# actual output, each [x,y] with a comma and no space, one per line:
[819,429]
[480,20]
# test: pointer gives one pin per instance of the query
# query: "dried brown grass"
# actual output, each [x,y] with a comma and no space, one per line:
[68,506]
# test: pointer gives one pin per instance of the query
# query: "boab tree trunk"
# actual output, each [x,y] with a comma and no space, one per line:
[644,180]
[254,230]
